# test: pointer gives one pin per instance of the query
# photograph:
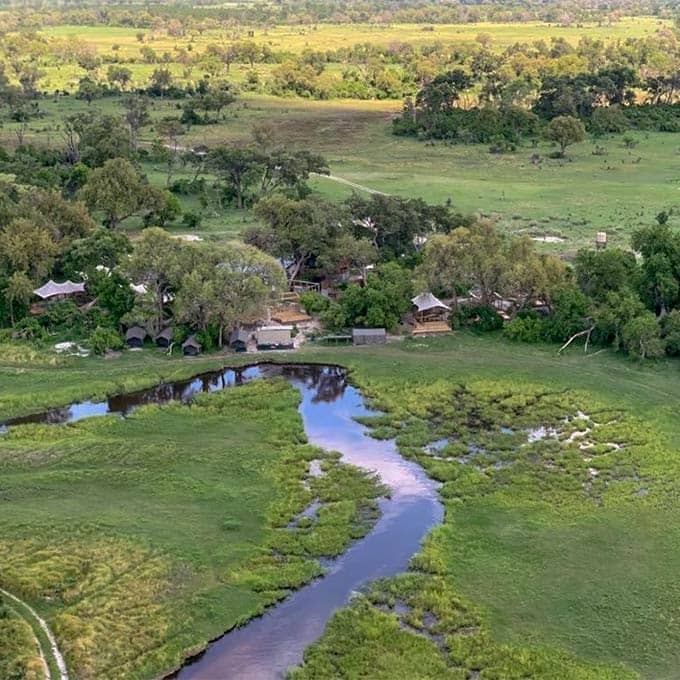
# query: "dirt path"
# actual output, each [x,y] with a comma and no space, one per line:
[53,652]
[349,183]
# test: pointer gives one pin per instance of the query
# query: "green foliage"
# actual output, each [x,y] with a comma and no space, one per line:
[529,328]
[670,332]
[313,302]
[103,339]
[479,317]
[569,314]
[380,303]
[565,131]
[642,337]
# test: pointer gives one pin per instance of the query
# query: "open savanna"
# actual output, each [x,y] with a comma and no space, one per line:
[572,198]
[552,559]
[123,41]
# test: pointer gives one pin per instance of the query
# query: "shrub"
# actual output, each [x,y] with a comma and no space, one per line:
[191,220]
[103,339]
[480,318]
[525,329]
[313,302]
[29,329]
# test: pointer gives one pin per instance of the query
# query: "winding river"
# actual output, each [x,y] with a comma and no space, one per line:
[267,646]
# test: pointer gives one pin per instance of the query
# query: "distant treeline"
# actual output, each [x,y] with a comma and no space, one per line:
[206,14]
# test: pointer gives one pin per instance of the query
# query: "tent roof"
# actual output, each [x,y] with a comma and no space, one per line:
[191,342]
[166,333]
[367,332]
[50,289]
[426,301]
[136,332]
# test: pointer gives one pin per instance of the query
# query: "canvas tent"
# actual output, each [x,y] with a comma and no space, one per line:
[135,336]
[164,338]
[191,347]
[274,337]
[238,340]
[52,289]
[428,307]
[369,336]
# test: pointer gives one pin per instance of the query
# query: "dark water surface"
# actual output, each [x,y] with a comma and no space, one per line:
[267,646]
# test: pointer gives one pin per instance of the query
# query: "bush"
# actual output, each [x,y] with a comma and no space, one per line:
[29,329]
[103,339]
[480,318]
[608,120]
[314,303]
[191,220]
[525,329]
[63,315]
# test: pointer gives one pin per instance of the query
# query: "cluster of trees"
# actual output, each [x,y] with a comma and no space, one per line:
[609,297]
[192,286]
[179,19]
[556,77]
[608,87]
[316,238]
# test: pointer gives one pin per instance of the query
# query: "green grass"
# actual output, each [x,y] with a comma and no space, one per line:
[19,652]
[155,534]
[563,567]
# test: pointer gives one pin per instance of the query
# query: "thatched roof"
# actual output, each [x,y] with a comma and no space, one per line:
[136,332]
[191,342]
[51,289]
[427,301]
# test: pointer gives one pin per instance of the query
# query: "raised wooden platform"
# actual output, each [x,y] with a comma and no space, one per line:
[289,316]
[431,328]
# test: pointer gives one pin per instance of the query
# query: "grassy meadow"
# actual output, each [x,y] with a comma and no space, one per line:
[551,557]
[548,549]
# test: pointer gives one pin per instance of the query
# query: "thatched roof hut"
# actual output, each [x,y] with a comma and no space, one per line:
[164,338]
[238,340]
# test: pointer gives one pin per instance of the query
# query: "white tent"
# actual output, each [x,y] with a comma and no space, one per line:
[52,289]
[426,301]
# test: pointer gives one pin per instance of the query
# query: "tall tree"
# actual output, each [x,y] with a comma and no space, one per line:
[120,192]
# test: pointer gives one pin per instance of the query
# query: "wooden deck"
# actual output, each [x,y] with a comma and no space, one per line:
[431,328]
[289,316]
